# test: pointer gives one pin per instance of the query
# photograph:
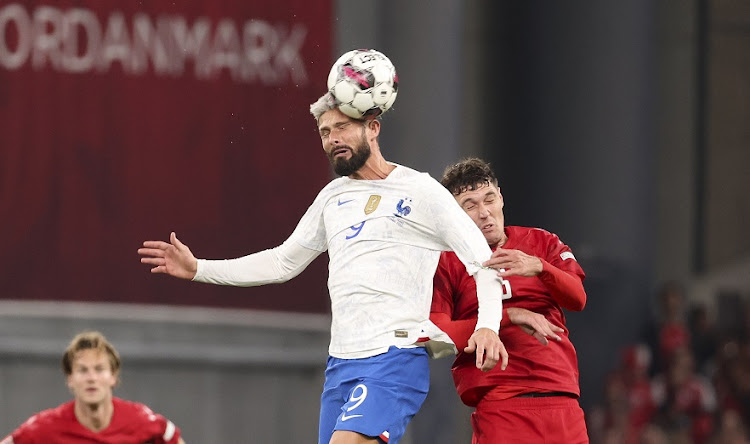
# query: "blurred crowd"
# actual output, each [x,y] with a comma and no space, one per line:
[686,381]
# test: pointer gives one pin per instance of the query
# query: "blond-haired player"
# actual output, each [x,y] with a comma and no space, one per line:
[92,369]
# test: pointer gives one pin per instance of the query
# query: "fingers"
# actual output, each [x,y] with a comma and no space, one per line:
[154,252]
[158,261]
[503,356]
[540,337]
[480,358]
[476,346]
[500,252]
[514,263]
[505,272]
[174,241]
[497,263]
[491,352]
[152,247]
[498,257]
[159,248]
[471,346]
[546,332]
[159,245]
[550,330]
[535,324]
[509,268]
[491,358]
[489,349]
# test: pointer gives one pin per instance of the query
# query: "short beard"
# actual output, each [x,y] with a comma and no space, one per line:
[347,167]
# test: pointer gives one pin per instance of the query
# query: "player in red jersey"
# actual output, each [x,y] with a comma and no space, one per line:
[91,365]
[535,399]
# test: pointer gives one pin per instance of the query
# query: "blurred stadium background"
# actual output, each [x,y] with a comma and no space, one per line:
[620,126]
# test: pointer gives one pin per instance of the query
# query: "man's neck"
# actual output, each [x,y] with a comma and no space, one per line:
[375,168]
[501,242]
[95,417]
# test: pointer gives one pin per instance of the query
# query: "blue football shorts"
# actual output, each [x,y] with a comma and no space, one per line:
[375,396]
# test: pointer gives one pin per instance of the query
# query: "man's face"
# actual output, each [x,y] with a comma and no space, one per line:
[485,206]
[91,380]
[344,141]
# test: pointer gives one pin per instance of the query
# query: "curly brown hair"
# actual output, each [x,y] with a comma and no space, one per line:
[468,174]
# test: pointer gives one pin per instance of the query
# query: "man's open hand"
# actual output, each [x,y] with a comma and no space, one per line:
[489,349]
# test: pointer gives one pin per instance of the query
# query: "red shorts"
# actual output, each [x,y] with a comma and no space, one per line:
[557,419]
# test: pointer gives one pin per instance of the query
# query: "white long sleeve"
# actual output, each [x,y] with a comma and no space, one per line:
[270,266]
[489,285]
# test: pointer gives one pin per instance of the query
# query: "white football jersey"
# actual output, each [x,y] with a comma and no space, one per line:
[384,239]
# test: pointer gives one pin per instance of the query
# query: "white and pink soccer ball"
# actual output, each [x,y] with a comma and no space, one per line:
[364,83]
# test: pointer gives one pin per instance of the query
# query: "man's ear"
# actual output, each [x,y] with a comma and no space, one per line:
[500,195]
[374,126]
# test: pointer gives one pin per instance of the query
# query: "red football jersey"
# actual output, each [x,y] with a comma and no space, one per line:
[132,423]
[532,366]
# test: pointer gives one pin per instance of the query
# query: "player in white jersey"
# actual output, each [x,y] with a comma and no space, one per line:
[383,226]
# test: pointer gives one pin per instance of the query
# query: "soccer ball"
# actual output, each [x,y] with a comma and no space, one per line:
[364,83]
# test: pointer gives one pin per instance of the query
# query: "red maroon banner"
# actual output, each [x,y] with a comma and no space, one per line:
[122,121]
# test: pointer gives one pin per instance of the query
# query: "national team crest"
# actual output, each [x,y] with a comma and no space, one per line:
[372,204]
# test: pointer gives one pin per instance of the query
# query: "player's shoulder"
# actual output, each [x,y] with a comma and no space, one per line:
[405,173]
[424,190]
[133,409]
[62,412]
[333,186]
[45,419]
[330,191]
[132,415]
[534,233]
[420,176]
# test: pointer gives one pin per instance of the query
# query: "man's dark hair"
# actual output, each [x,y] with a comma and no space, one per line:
[468,174]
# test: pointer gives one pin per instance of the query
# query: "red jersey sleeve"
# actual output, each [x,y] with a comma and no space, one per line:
[562,275]
[162,430]
[24,434]
[133,419]
[44,426]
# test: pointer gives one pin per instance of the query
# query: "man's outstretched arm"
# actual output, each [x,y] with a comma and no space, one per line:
[270,266]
